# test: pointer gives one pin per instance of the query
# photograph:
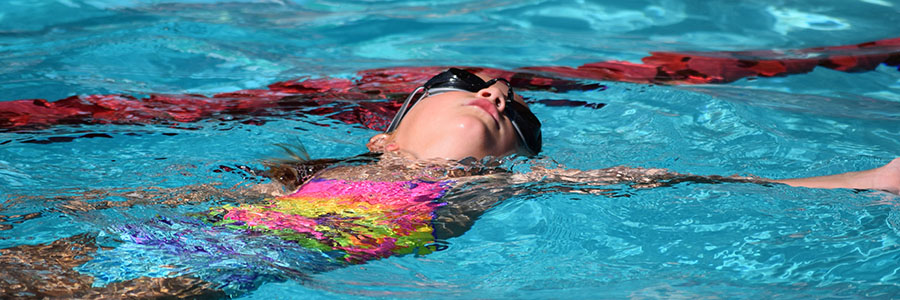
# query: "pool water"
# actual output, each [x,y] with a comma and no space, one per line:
[690,240]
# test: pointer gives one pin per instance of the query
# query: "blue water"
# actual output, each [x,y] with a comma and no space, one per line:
[686,241]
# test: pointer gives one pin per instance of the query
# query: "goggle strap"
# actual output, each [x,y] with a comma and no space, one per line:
[403,109]
[521,136]
[438,90]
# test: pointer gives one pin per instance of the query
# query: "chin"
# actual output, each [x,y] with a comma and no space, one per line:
[458,143]
[458,138]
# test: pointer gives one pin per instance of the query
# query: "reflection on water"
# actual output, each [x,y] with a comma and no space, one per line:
[76,197]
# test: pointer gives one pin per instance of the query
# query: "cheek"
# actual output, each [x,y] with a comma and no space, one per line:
[510,139]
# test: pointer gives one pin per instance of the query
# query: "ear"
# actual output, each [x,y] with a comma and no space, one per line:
[381,143]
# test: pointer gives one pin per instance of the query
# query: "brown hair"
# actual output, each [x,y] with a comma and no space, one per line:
[293,173]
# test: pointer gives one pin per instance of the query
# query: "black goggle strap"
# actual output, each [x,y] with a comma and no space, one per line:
[404,108]
[521,136]
[439,90]
[527,126]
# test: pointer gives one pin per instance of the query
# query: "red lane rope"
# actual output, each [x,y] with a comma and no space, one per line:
[728,66]
[339,98]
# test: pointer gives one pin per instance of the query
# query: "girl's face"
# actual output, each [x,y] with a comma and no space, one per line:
[455,125]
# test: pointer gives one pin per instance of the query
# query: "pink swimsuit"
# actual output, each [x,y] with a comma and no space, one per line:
[362,219]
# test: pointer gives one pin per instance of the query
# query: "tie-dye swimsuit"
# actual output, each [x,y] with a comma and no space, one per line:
[361,219]
[325,224]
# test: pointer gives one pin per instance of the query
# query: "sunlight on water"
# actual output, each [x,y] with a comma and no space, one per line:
[788,20]
[122,202]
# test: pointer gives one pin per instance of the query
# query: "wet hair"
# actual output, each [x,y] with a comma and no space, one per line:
[293,173]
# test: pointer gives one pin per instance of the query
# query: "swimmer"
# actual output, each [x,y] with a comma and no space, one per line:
[368,207]
[454,117]
[460,115]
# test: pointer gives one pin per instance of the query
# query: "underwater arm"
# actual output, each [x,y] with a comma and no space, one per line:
[634,177]
[885,178]
[459,214]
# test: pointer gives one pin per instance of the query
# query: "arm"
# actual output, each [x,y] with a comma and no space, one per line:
[886,178]
[464,208]
[634,177]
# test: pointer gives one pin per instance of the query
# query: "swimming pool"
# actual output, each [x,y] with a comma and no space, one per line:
[685,241]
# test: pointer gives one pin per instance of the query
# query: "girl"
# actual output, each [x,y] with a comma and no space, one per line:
[321,215]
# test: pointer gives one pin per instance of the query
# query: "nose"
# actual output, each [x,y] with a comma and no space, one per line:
[495,95]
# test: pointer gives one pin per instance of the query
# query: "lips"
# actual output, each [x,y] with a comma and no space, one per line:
[488,107]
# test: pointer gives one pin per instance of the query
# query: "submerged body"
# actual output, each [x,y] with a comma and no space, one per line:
[323,225]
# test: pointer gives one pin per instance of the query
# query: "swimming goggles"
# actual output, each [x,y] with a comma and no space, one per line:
[526,124]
